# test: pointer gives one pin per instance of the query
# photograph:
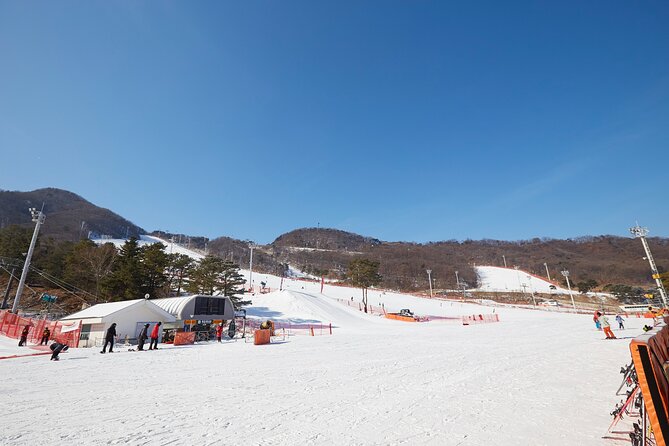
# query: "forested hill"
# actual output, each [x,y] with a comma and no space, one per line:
[324,251]
[603,259]
[68,216]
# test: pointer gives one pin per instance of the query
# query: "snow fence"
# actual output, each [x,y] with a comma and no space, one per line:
[11,325]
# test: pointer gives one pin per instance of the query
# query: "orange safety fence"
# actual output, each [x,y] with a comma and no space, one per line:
[650,353]
[289,328]
[480,319]
[12,325]
[184,338]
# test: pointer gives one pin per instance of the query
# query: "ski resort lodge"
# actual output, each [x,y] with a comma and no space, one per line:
[130,316]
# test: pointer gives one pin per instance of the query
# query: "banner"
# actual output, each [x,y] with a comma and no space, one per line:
[69,327]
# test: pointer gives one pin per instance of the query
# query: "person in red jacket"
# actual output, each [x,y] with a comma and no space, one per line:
[24,336]
[155,333]
[219,332]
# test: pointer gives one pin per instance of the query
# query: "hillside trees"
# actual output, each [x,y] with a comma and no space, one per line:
[14,241]
[154,263]
[363,273]
[586,285]
[216,276]
[178,269]
[125,281]
[87,265]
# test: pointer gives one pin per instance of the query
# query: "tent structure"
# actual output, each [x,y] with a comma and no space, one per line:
[129,316]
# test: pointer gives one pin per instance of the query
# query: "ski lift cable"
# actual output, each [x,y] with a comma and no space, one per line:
[62,284]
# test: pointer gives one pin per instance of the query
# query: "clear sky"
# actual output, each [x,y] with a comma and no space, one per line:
[414,120]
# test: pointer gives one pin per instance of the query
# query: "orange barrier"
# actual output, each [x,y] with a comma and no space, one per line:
[261,336]
[184,338]
[399,317]
[11,325]
[480,319]
[650,353]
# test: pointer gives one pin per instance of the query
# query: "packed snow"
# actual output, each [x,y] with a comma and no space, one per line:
[534,378]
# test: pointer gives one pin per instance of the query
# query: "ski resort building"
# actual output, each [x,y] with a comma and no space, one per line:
[197,309]
[129,316]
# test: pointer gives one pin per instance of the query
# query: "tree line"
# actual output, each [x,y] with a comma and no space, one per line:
[92,273]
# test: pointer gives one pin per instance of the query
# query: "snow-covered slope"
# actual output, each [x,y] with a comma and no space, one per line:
[495,278]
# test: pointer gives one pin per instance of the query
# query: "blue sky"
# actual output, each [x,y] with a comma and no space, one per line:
[416,120]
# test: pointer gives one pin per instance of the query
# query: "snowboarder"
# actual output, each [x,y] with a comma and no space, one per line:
[596,319]
[219,332]
[141,339]
[24,336]
[56,348]
[606,326]
[109,339]
[45,336]
[153,345]
[620,321]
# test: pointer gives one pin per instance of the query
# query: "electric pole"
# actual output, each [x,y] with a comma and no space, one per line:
[639,232]
[38,218]
[565,273]
[429,279]
[251,246]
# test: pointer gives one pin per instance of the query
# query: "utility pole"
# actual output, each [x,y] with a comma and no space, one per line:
[38,218]
[429,279]
[529,281]
[547,272]
[639,232]
[8,289]
[565,273]
[251,246]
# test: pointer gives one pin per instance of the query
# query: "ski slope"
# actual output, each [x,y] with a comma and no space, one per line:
[535,378]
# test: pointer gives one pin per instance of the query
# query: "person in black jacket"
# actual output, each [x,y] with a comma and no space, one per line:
[56,348]
[141,339]
[45,336]
[109,339]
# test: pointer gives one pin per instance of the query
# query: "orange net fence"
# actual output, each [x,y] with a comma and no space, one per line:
[12,326]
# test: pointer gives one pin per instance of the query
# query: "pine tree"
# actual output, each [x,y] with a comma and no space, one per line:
[154,263]
[125,282]
[364,273]
[215,276]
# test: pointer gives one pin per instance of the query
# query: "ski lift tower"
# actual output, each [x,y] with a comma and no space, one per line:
[639,232]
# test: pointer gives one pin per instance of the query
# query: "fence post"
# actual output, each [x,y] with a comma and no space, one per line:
[312,330]
[330,327]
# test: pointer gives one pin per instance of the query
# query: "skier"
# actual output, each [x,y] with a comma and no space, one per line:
[219,332]
[24,336]
[606,326]
[620,321]
[596,319]
[141,339]
[109,339]
[45,336]
[153,345]
[56,348]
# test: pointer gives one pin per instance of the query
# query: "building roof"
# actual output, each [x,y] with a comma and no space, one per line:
[183,307]
[174,305]
[109,308]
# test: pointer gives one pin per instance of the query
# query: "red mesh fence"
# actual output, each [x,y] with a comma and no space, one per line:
[316,329]
[480,319]
[12,325]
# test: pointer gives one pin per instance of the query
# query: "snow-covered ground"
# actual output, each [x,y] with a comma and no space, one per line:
[535,378]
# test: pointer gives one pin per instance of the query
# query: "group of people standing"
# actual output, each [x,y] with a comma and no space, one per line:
[602,323]
[111,335]
[55,348]
[23,339]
